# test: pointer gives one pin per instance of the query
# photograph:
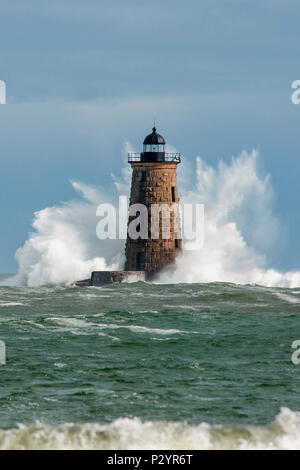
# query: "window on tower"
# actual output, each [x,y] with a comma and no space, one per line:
[154,148]
[173,193]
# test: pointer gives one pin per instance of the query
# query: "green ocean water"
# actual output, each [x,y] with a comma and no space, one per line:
[149,366]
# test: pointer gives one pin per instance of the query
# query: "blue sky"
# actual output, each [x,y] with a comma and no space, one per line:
[83,76]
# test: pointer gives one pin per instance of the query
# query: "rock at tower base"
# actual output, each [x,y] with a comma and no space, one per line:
[99,278]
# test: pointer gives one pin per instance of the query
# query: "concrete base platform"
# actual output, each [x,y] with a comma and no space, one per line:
[100,278]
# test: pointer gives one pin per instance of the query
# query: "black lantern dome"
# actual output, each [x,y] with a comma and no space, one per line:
[154,148]
[154,138]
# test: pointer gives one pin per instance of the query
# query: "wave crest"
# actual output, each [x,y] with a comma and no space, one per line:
[130,434]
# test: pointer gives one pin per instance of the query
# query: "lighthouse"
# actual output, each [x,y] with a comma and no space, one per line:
[156,239]
[154,185]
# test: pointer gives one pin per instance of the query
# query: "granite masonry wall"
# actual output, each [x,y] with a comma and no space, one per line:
[155,183]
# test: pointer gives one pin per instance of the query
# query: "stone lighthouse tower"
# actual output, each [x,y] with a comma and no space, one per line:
[154,185]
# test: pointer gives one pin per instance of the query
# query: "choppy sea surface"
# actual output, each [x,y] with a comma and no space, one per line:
[144,366]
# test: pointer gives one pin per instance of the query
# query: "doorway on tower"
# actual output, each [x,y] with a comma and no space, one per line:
[140,261]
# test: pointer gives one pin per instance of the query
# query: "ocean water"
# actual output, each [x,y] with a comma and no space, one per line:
[145,366]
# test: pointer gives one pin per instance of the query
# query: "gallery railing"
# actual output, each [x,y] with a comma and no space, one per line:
[168,157]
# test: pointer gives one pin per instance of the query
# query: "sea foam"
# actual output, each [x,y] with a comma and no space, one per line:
[126,434]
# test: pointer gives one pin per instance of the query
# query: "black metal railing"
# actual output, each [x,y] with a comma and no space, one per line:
[134,157]
[168,157]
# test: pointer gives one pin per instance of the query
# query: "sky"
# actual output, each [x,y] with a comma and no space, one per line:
[83,77]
